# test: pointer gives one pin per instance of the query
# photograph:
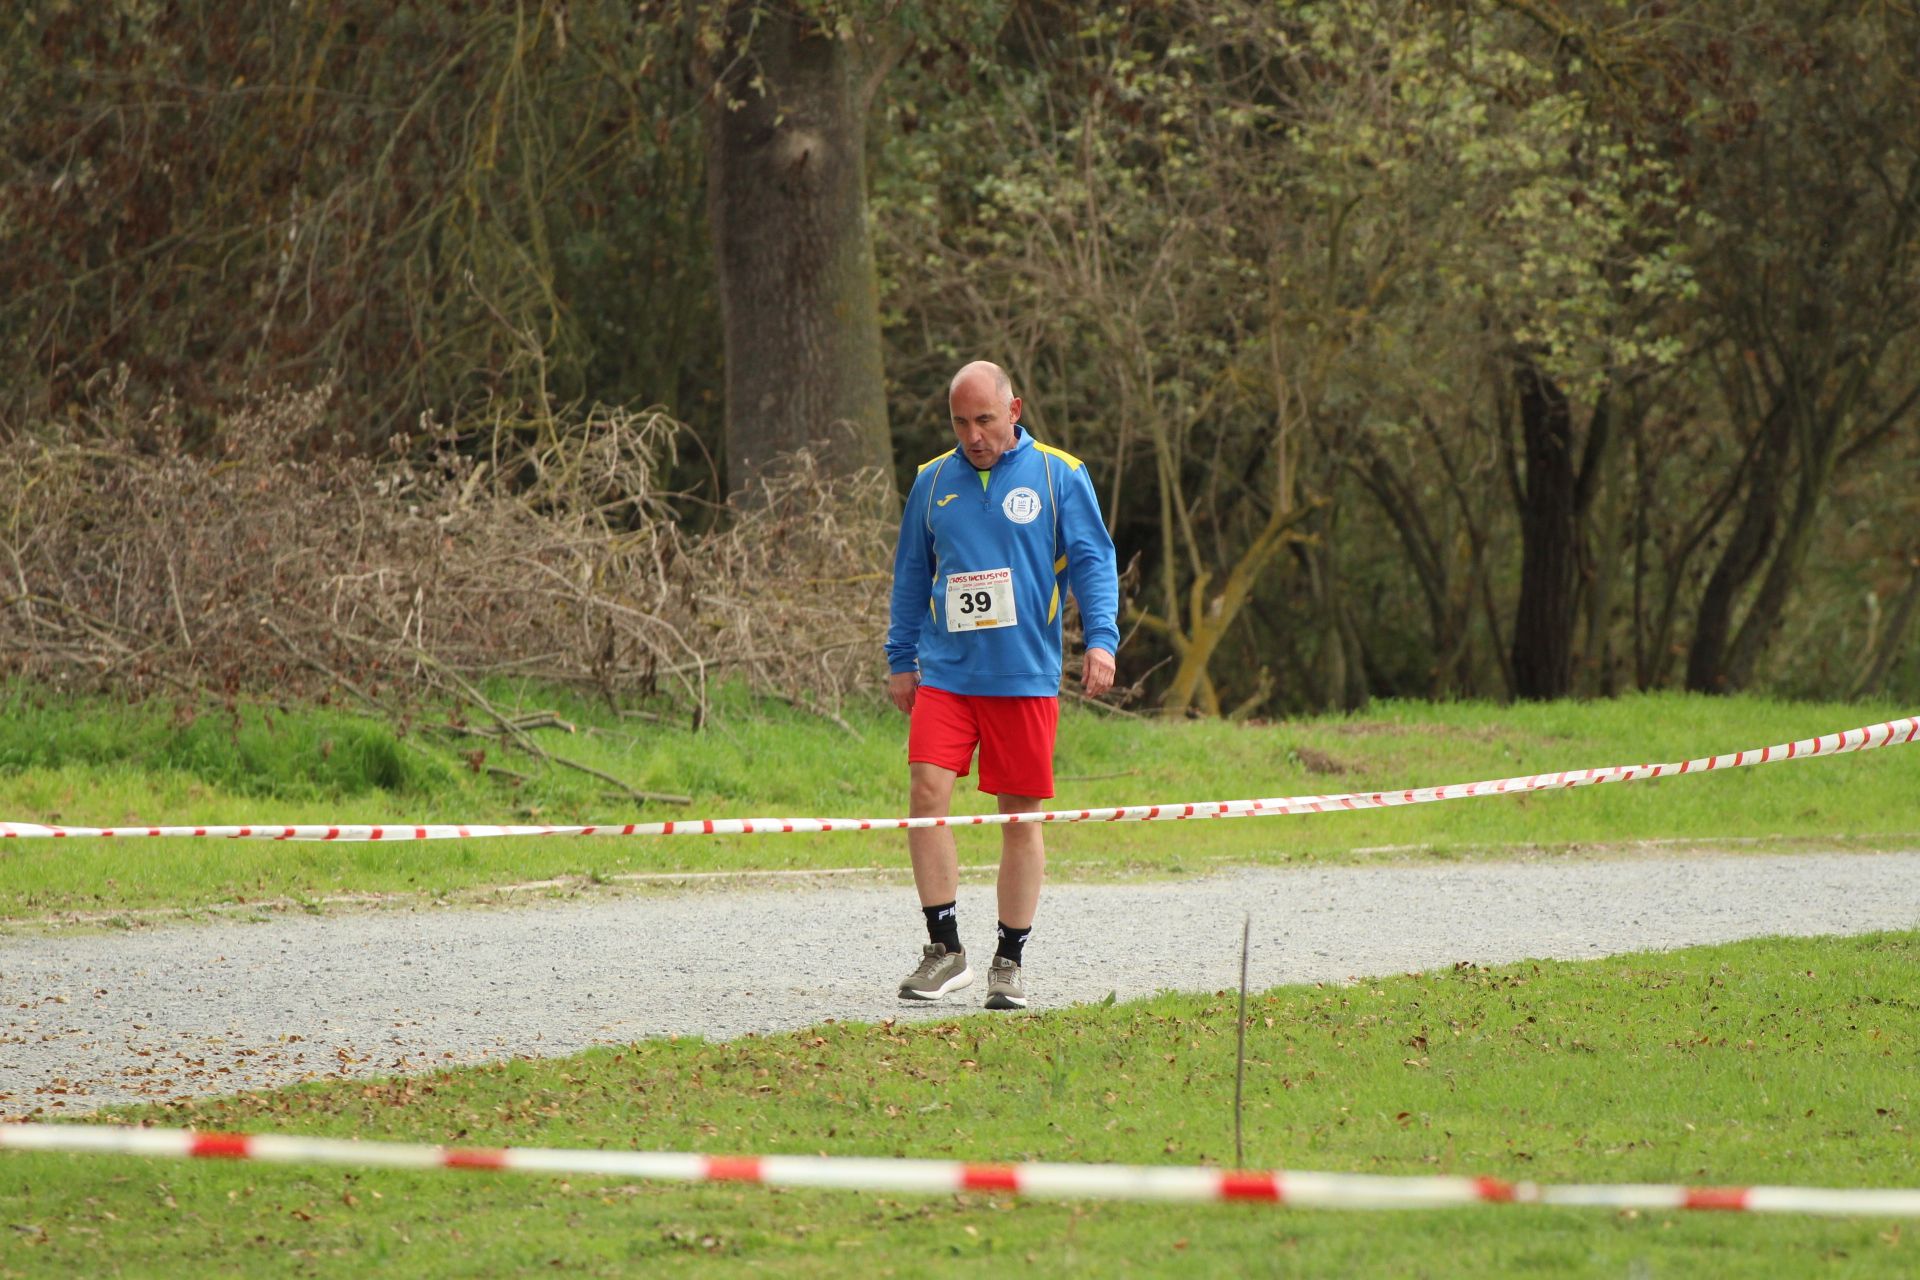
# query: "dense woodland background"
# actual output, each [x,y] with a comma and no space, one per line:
[1487,348]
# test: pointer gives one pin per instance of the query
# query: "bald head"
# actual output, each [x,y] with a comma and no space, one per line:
[989,377]
[984,410]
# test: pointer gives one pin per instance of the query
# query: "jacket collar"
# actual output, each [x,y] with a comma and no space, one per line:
[1021,440]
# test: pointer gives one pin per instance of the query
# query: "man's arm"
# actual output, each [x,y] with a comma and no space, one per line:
[907,609]
[904,687]
[1095,580]
[1096,673]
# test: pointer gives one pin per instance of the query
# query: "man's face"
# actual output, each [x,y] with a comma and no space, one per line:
[982,420]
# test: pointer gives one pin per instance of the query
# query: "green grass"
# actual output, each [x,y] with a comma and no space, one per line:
[94,763]
[1778,1061]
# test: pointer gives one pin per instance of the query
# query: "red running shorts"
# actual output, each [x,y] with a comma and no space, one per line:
[1015,737]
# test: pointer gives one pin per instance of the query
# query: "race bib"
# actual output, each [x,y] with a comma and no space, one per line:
[982,599]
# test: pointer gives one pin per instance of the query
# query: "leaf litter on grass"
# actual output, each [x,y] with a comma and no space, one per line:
[1779,1061]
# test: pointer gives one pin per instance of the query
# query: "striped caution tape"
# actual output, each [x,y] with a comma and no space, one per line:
[936,1177]
[1868,738]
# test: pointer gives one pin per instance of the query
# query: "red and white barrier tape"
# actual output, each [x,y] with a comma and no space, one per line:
[1871,737]
[1058,1181]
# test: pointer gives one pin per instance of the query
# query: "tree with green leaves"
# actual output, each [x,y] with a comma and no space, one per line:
[1813,286]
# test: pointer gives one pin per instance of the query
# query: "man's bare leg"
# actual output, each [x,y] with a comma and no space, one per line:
[936,874]
[1023,864]
[936,865]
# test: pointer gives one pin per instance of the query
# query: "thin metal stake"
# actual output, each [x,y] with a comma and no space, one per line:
[1240,1065]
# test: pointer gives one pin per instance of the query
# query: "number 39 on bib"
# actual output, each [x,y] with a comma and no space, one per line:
[980,599]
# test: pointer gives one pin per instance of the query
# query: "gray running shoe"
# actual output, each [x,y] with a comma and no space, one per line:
[940,971]
[1003,985]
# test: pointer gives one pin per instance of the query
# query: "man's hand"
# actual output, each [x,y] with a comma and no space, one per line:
[903,685]
[1096,673]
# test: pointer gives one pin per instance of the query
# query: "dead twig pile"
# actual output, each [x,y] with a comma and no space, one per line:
[128,563]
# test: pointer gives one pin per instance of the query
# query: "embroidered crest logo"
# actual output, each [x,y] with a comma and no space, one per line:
[1022,505]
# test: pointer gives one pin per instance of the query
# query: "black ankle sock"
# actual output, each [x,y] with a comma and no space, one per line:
[1012,941]
[943,925]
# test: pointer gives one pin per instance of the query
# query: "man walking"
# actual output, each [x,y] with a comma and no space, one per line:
[992,531]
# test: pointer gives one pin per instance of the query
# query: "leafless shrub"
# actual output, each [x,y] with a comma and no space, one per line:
[128,563]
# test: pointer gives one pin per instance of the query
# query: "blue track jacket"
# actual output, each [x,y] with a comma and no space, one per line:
[1034,527]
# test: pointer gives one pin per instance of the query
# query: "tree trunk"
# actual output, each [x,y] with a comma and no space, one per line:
[1891,639]
[1746,549]
[1763,616]
[786,199]
[1449,609]
[1818,436]
[1549,557]
[1608,541]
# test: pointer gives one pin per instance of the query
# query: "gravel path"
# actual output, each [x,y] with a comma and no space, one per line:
[210,1009]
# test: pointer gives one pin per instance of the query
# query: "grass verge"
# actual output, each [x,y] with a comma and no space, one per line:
[1778,1061]
[93,763]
